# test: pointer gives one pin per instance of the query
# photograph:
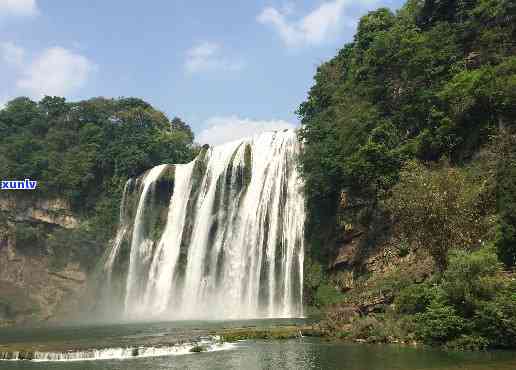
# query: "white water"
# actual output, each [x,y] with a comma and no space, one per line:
[209,344]
[232,246]
[140,246]
[163,265]
[120,234]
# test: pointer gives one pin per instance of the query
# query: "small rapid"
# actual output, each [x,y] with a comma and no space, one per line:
[208,344]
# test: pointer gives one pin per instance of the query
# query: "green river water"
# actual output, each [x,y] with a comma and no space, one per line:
[301,353]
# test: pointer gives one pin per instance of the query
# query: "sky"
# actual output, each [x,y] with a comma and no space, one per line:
[230,69]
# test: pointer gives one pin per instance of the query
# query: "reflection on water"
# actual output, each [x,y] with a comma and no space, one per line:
[305,353]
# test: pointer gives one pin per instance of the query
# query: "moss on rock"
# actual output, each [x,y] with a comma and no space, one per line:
[280,332]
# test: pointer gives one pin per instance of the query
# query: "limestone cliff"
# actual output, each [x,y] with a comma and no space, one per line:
[32,287]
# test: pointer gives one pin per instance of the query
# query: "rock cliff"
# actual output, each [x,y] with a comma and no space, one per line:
[32,287]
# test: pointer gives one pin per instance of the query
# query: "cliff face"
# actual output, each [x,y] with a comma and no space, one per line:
[32,287]
[50,211]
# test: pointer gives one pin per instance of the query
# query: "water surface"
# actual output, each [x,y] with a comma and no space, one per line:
[302,353]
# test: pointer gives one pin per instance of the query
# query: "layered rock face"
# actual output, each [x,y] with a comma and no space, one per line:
[31,288]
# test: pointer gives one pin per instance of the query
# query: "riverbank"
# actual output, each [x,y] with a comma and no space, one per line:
[318,330]
[274,333]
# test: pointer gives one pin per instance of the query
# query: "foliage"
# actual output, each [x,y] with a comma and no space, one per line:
[496,319]
[506,198]
[85,152]
[74,245]
[319,290]
[327,294]
[470,306]
[438,209]
[473,306]
[471,277]
[435,79]
[415,298]
[369,328]
[468,343]
[79,150]
[30,239]
[439,323]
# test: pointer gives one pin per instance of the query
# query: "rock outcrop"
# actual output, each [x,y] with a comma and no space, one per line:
[27,209]
[31,288]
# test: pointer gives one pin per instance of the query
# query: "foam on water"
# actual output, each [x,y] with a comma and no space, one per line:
[210,344]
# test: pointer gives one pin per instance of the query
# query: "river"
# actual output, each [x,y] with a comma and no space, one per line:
[175,340]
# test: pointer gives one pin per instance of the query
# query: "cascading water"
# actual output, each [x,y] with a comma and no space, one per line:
[218,238]
[120,233]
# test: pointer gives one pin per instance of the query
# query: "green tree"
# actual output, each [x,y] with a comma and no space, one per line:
[437,209]
[506,198]
[84,152]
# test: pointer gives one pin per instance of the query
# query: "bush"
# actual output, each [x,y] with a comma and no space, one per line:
[327,295]
[474,306]
[437,209]
[30,240]
[414,298]
[370,329]
[471,276]
[496,320]
[312,276]
[439,323]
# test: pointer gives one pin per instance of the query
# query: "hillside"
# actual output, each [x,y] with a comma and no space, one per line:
[410,170]
[81,154]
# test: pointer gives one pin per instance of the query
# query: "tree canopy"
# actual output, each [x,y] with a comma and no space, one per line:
[81,150]
[435,79]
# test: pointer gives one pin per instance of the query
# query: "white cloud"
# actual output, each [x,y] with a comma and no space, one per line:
[56,71]
[207,56]
[18,7]
[221,130]
[12,54]
[312,29]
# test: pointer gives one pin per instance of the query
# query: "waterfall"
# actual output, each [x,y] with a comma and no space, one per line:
[218,238]
[120,233]
[141,246]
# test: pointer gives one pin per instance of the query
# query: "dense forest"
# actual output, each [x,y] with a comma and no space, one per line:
[409,136]
[84,152]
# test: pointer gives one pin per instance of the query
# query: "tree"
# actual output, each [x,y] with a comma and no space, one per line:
[506,197]
[85,151]
[437,209]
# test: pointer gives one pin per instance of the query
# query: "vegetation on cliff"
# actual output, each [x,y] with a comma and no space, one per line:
[84,152]
[409,153]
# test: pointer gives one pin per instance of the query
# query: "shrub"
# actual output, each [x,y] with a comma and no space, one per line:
[370,329]
[30,240]
[414,298]
[496,320]
[439,323]
[437,209]
[471,276]
[327,294]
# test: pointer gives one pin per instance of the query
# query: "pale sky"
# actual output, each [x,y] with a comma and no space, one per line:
[228,68]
